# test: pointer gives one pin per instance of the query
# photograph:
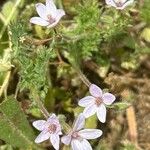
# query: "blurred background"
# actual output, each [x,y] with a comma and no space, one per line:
[110,47]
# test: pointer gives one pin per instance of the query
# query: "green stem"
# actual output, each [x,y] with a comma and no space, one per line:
[37,99]
[83,78]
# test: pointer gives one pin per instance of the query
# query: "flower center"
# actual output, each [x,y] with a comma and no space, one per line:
[119,3]
[52,128]
[50,19]
[98,101]
[75,135]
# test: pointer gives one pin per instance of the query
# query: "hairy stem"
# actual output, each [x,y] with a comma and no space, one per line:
[83,78]
[37,99]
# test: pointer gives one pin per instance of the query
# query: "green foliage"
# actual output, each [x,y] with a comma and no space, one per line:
[111,40]
[14,127]
[7,8]
[120,105]
[113,26]
[85,34]
[128,146]
[145,12]
[33,61]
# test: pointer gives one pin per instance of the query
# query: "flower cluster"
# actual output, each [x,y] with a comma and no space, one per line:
[77,137]
[96,103]
[49,15]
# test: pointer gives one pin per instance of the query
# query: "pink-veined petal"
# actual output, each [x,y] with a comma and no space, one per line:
[90,110]
[51,8]
[44,135]
[52,117]
[58,15]
[126,4]
[88,100]
[66,139]
[85,145]
[55,140]
[39,21]
[39,124]
[90,133]
[79,123]
[108,98]
[41,10]
[95,90]
[111,3]
[76,145]
[101,113]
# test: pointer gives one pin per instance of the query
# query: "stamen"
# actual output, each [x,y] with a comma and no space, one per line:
[50,19]
[119,3]
[75,135]
[98,101]
[52,128]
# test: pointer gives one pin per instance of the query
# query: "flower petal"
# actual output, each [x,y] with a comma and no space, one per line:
[39,21]
[57,16]
[90,110]
[79,123]
[90,133]
[85,145]
[52,116]
[101,113]
[55,140]
[76,145]
[41,10]
[95,90]
[108,98]
[44,135]
[39,124]
[88,100]
[110,2]
[126,4]
[66,139]
[51,8]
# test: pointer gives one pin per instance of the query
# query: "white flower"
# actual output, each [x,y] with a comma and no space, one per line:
[119,4]
[78,138]
[96,103]
[49,14]
[50,129]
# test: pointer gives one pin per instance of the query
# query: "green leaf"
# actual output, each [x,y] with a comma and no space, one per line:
[91,122]
[121,105]
[146,34]
[7,10]
[14,127]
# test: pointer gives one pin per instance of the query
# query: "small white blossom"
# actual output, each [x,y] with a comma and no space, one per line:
[50,129]
[119,4]
[96,103]
[49,15]
[77,138]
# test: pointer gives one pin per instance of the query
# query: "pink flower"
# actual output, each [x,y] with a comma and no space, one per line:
[96,103]
[119,4]
[49,14]
[50,129]
[78,138]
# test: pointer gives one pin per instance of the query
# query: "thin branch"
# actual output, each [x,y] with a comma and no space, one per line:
[39,103]
[5,83]
[83,78]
